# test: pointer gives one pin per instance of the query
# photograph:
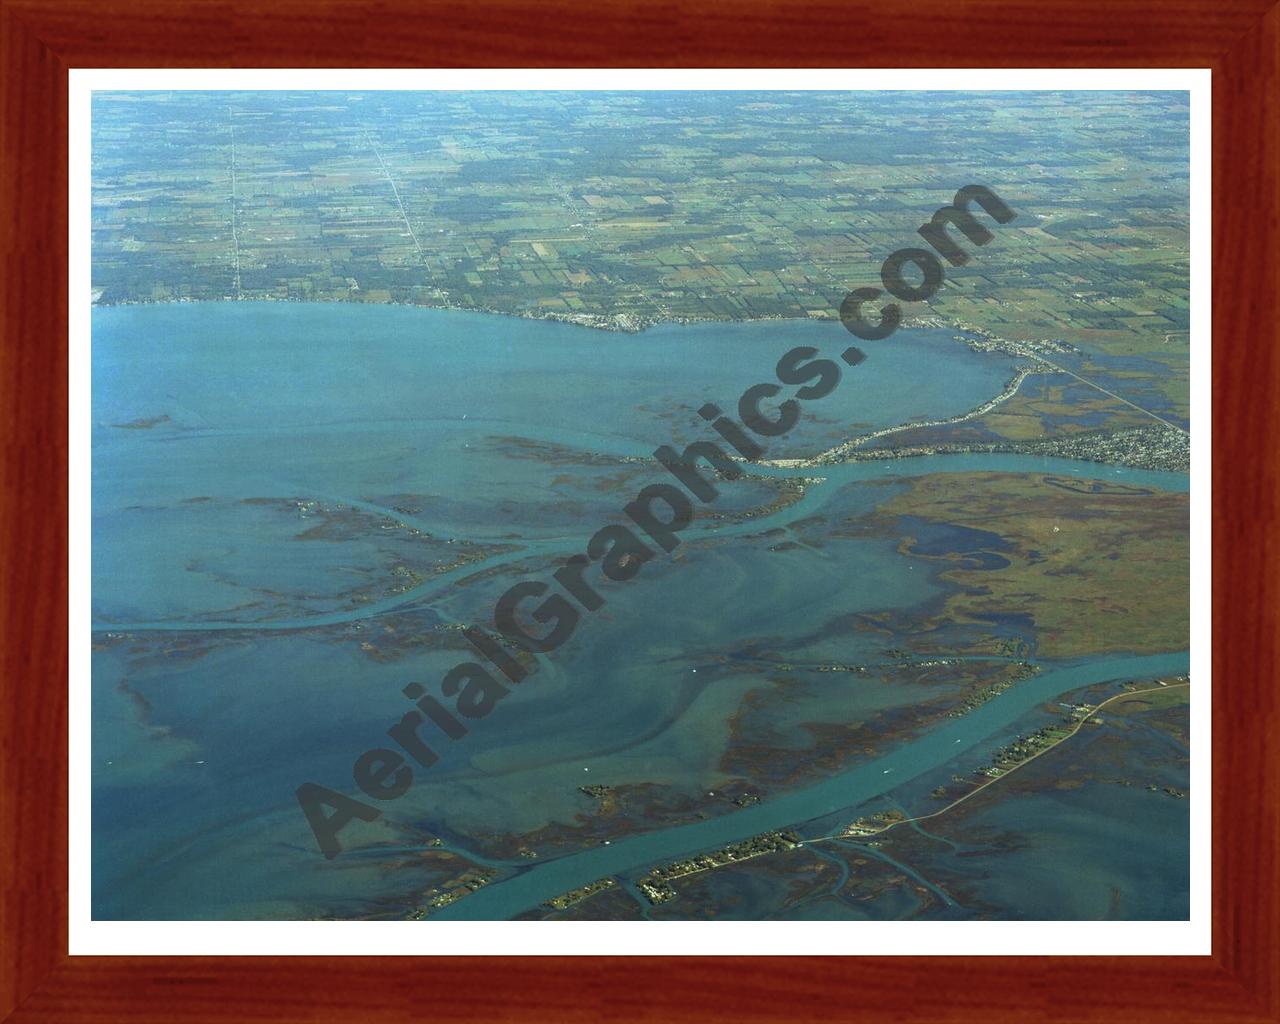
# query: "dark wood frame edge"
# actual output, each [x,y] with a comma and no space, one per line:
[41,39]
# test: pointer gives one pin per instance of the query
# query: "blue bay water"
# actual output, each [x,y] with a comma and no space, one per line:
[197,408]
[845,789]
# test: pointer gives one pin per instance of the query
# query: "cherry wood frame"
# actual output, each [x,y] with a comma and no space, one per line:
[41,39]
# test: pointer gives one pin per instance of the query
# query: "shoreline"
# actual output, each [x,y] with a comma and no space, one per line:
[845,451]
[849,788]
[1099,446]
[848,834]
[617,323]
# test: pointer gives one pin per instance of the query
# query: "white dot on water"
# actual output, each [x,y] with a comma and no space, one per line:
[586,769]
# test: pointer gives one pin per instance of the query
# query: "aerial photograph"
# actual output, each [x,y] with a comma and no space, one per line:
[640,505]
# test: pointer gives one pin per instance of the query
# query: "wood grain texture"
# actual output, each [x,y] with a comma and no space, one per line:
[40,40]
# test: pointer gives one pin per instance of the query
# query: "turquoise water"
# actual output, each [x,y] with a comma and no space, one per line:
[846,789]
[245,671]
[355,403]
[257,368]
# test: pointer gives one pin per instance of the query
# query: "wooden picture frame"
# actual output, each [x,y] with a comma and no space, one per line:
[41,40]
